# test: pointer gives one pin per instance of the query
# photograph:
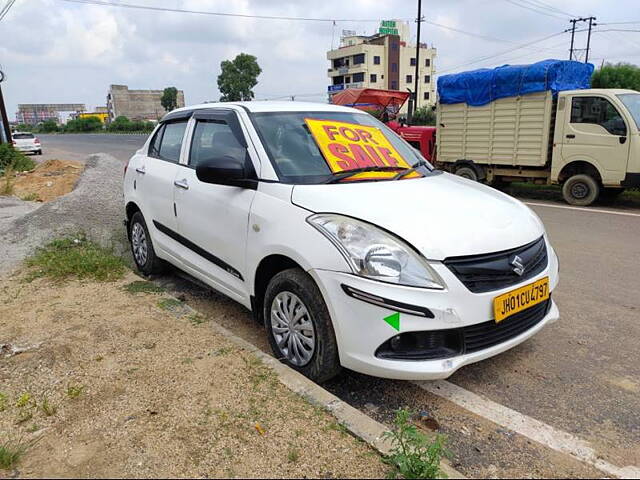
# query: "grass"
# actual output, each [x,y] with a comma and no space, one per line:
[3,401]
[6,187]
[293,455]
[74,391]
[75,257]
[169,303]
[47,407]
[414,454]
[197,319]
[10,454]
[30,197]
[142,286]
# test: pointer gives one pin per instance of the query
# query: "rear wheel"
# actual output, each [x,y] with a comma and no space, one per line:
[142,248]
[581,190]
[467,172]
[299,327]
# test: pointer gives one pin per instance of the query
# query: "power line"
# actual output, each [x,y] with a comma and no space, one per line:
[620,23]
[529,7]
[488,57]
[105,3]
[6,8]
[550,7]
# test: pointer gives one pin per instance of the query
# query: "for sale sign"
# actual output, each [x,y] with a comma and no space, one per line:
[349,146]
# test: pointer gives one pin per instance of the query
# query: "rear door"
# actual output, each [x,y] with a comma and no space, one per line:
[596,131]
[154,178]
[213,219]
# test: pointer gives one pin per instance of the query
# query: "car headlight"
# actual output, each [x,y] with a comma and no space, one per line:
[376,254]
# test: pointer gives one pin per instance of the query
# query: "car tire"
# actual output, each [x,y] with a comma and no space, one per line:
[580,190]
[39,152]
[312,350]
[468,172]
[142,250]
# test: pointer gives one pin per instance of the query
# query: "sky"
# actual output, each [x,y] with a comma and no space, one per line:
[56,51]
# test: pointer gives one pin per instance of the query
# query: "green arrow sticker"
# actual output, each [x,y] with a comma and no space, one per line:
[393,320]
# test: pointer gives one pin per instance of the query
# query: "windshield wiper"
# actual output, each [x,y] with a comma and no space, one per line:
[336,177]
[409,170]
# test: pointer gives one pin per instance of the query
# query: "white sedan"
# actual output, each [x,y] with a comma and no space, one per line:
[26,142]
[349,247]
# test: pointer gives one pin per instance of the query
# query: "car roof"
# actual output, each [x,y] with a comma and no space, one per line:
[272,106]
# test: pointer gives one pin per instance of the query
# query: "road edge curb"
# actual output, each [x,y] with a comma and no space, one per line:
[356,422]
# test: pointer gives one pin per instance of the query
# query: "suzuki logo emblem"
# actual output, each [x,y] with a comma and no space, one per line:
[518,266]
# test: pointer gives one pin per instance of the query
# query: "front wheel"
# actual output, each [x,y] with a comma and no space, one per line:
[299,327]
[581,190]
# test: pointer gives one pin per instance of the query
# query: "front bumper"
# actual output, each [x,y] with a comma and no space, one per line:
[360,326]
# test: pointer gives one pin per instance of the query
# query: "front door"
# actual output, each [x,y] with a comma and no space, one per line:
[213,219]
[595,131]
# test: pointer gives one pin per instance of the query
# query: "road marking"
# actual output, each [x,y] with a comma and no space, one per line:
[592,210]
[529,427]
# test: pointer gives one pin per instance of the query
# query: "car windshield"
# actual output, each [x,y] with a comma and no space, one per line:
[20,136]
[298,159]
[632,102]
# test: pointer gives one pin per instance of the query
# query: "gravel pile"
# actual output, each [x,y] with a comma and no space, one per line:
[94,207]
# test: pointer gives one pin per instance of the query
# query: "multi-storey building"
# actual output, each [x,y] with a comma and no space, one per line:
[35,113]
[137,104]
[385,60]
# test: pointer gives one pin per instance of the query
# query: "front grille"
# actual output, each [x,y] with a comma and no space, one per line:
[494,271]
[439,344]
[487,334]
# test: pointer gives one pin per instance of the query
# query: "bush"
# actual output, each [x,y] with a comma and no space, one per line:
[83,125]
[50,126]
[424,116]
[123,124]
[11,158]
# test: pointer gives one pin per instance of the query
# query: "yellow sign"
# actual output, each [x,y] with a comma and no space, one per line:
[99,115]
[350,146]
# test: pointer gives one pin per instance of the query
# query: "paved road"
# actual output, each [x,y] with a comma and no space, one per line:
[78,146]
[554,406]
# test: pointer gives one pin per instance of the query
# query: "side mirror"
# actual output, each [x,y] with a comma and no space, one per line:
[225,171]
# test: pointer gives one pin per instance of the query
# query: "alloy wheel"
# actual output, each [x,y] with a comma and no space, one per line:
[139,243]
[293,328]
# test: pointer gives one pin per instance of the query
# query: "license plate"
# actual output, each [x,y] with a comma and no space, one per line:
[520,299]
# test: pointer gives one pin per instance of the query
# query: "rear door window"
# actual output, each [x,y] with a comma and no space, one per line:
[154,146]
[171,142]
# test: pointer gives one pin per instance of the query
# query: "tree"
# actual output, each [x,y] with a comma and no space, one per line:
[620,75]
[82,125]
[424,116]
[169,100]
[238,77]
[48,126]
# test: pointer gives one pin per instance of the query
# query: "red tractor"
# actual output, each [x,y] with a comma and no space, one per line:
[386,104]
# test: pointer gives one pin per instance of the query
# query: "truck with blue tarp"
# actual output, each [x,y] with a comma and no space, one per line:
[540,123]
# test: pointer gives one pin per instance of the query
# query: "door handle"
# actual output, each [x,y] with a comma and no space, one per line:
[141,170]
[571,135]
[622,140]
[182,184]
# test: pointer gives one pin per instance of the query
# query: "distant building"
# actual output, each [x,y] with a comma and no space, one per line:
[137,104]
[35,113]
[384,60]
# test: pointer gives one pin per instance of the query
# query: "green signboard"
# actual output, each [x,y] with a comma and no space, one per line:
[388,27]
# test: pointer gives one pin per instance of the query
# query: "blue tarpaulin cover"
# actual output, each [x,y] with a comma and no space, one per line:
[479,87]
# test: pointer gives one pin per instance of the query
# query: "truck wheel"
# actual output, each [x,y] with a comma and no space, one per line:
[580,190]
[299,326]
[467,172]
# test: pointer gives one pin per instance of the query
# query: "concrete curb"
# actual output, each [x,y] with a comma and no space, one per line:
[360,425]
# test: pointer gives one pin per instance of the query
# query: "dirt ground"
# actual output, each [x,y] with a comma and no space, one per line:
[48,181]
[120,384]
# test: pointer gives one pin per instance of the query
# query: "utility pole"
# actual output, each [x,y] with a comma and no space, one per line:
[6,137]
[419,21]
[591,22]
[573,34]
[573,21]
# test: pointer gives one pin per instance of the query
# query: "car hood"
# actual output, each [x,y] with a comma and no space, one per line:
[441,215]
